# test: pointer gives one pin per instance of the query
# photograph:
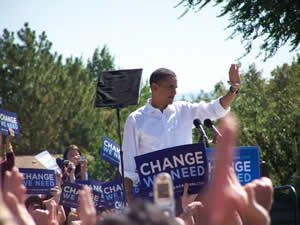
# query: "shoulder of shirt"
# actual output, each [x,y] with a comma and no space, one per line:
[180,104]
[137,113]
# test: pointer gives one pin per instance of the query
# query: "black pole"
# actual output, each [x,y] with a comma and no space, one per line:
[203,139]
[121,154]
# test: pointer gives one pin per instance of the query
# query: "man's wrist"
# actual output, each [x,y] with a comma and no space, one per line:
[234,91]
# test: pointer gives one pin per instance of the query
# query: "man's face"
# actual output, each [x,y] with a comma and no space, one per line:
[165,89]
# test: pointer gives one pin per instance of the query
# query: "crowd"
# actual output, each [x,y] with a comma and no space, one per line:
[224,200]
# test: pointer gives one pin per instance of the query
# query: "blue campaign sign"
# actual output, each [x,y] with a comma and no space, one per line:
[246,163]
[109,191]
[110,151]
[94,185]
[112,191]
[185,164]
[70,196]
[9,120]
[38,181]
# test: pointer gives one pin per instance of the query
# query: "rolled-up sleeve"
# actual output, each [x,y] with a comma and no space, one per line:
[129,147]
[212,110]
[218,108]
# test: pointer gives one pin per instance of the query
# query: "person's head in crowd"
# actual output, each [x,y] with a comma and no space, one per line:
[34,202]
[163,83]
[141,212]
[72,153]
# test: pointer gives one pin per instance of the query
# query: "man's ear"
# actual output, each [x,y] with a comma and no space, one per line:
[154,87]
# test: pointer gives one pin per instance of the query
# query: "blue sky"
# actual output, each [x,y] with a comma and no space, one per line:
[141,34]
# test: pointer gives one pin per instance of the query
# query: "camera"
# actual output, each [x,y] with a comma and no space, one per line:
[81,159]
[164,194]
[66,166]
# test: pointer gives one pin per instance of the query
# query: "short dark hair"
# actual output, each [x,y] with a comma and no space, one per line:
[78,167]
[71,148]
[34,199]
[161,74]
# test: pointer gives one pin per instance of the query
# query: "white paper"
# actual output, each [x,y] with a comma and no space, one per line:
[47,160]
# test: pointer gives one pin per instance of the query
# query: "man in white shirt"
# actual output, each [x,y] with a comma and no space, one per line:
[162,123]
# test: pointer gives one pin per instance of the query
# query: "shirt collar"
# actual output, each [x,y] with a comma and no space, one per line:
[154,111]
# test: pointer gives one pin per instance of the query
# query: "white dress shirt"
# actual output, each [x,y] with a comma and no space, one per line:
[148,129]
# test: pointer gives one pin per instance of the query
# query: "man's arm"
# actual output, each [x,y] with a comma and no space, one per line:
[235,82]
[227,99]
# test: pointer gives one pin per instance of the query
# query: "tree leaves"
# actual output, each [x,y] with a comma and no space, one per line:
[276,22]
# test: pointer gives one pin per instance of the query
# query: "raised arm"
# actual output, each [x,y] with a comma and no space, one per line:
[235,82]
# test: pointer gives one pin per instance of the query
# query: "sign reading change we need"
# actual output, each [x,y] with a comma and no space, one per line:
[9,120]
[109,192]
[38,181]
[245,163]
[185,164]
[110,151]
[70,196]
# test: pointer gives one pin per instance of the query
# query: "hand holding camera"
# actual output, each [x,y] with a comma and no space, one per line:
[83,163]
[68,170]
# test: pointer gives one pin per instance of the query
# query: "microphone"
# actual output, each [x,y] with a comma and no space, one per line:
[198,125]
[210,125]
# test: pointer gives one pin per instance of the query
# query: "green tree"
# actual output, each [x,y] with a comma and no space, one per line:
[268,111]
[269,116]
[28,70]
[101,61]
[53,100]
[276,22]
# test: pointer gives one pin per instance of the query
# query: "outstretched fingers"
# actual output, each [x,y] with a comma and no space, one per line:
[87,211]
[224,192]
[13,183]
[254,213]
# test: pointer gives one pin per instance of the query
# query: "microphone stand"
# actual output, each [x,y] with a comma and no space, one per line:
[121,153]
[203,139]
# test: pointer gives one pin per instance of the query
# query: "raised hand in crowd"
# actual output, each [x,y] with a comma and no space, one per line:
[6,217]
[260,195]
[14,197]
[8,155]
[87,211]
[48,216]
[5,141]
[263,191]
[189,206]
[225,200]
[83,169]
[56,192]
